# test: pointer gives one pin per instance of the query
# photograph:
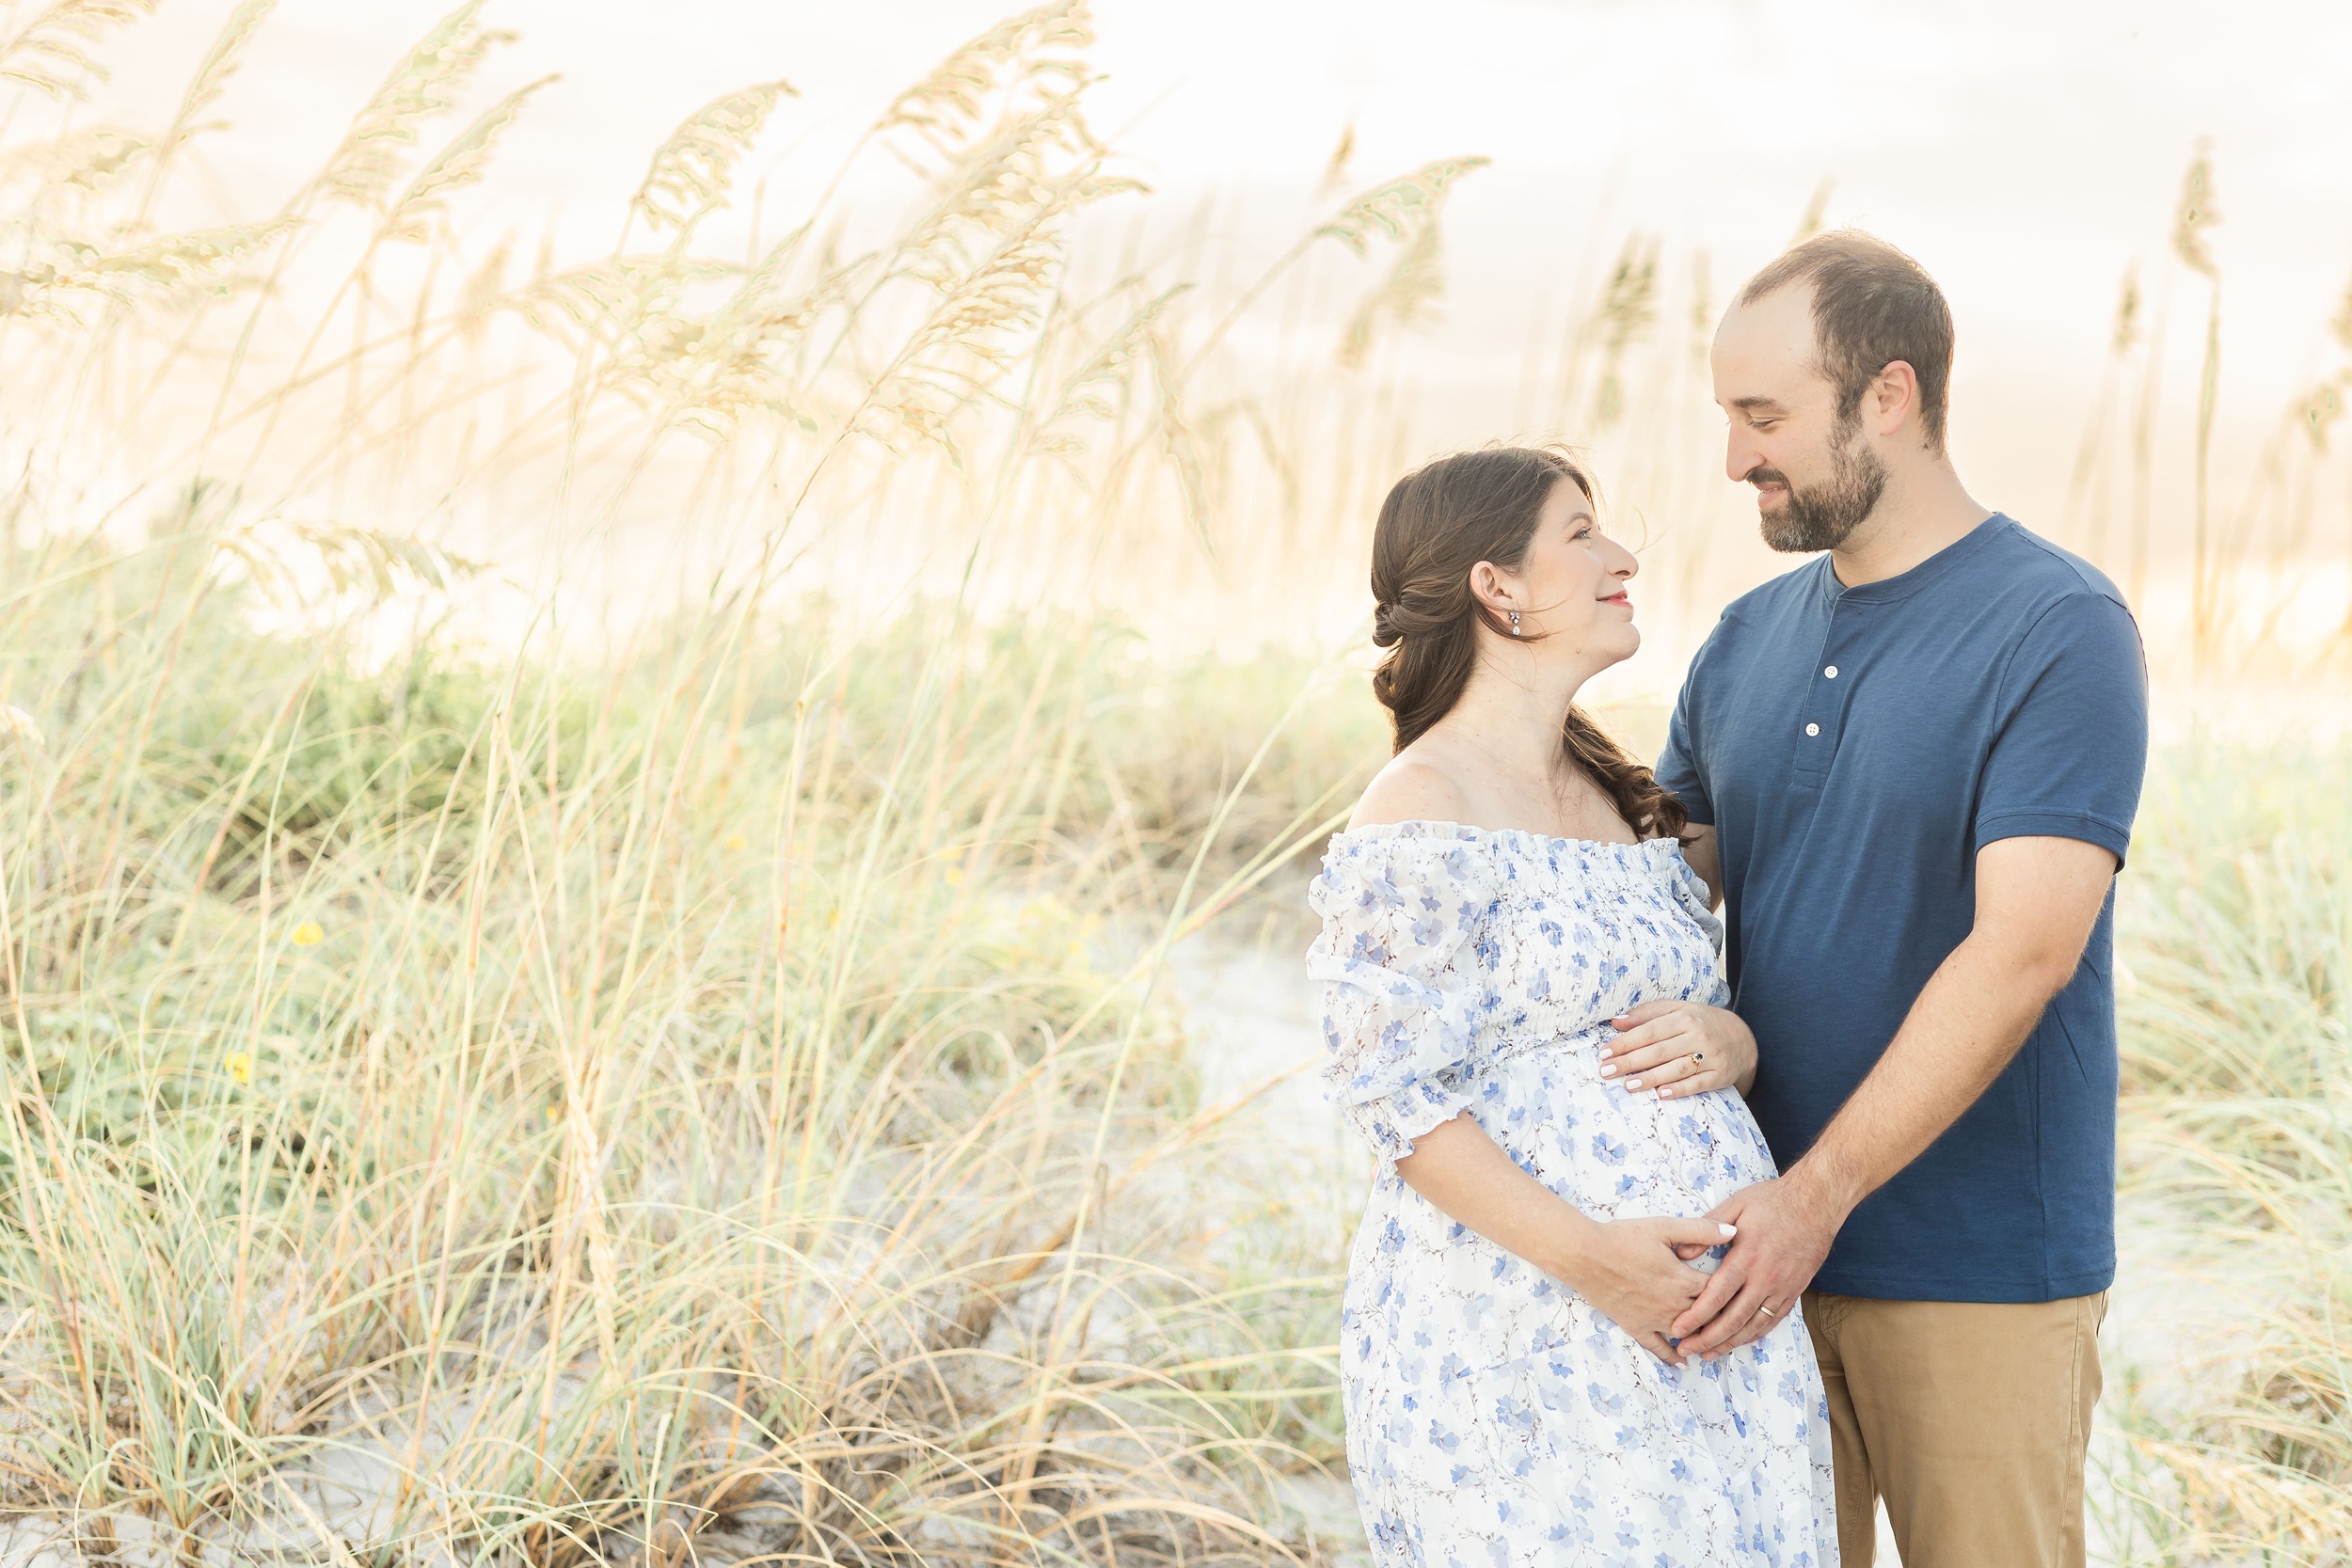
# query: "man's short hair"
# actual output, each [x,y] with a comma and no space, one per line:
[1872,305]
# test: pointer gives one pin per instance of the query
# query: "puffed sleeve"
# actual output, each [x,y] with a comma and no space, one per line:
[1404,988]
[1690,891]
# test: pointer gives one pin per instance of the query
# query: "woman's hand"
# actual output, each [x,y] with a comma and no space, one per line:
[1634,1271]
[1677,1049]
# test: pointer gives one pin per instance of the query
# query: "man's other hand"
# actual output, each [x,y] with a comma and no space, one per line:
[1786,1227]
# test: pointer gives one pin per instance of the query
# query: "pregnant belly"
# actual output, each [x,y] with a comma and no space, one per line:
[1616,1154]
[1611,1154]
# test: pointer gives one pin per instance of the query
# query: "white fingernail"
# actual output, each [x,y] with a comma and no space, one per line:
[1633,1083]
[1609,1072]
[1729,1231]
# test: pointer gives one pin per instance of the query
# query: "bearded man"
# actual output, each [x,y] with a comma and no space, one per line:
[1910,766]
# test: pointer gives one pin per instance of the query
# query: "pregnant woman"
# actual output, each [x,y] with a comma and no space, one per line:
[1525,1017]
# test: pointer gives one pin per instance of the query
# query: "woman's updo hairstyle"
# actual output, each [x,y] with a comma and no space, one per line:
[1439,521]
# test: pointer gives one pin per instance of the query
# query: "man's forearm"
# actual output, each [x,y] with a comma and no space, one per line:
[1966,1023]
[2037,901]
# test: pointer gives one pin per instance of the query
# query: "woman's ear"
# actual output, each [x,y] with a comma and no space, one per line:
[1488,587]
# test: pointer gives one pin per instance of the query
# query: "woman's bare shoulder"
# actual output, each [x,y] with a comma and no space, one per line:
[1415,786]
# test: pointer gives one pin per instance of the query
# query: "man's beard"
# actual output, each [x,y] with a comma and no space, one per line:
[1821,520]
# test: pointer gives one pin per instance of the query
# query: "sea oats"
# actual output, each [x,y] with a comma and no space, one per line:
[1628,307]
[1816,212]
[1406,210]
[89,158]
[2124,336]
[1335,168]
[459,163]
[2194,213]
[50,53]
[1085,397]
[424,83]
[691,172]
[1024,50]
[165,264]
[1702,318]
[211,77]
[2318,411]
[1399,208]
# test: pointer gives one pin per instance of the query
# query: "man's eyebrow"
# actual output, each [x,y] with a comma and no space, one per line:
[1749,404]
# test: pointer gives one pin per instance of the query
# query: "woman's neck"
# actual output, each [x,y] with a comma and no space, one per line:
[1511,712]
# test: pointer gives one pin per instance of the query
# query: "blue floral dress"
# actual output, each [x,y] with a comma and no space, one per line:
[1495,1418]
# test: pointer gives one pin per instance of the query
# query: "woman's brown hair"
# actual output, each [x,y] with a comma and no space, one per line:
[1439,521]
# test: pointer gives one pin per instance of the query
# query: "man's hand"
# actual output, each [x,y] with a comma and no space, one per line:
[1786,1227]
[1638,1274]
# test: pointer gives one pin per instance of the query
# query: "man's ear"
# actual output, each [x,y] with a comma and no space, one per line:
[1896,395]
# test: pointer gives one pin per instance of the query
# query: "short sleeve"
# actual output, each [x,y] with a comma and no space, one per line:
[1404,988]
[2072,743]
[1678,771]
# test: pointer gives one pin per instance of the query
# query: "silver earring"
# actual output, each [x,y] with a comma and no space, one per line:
[1515,623]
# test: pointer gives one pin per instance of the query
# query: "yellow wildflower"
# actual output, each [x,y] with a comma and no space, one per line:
[241,1066]
[307,934]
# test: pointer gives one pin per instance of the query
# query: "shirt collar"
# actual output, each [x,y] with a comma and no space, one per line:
[1904,584]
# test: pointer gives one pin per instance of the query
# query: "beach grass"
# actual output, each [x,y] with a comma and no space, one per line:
[2235,953]
[494,1079]
[549,1111]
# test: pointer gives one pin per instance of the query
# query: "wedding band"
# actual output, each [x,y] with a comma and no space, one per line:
[1765,1310]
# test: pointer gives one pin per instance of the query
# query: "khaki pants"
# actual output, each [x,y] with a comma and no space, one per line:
[1970,1418]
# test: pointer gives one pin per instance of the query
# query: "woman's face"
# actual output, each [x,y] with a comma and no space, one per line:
[1570,591]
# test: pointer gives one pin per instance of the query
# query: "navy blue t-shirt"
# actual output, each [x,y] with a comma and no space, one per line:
[1853,749]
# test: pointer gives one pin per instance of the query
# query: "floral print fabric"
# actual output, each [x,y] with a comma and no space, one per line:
[1495,1418]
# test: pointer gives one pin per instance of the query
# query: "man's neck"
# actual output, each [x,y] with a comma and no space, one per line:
[1925,511]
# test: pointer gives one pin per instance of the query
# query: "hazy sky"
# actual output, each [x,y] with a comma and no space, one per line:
[2024,150]
[2027,152]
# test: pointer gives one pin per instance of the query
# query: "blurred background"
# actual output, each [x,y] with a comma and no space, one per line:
[1643,159]
[670,676]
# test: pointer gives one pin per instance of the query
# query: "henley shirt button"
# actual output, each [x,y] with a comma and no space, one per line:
[1813,729]
[1831,672]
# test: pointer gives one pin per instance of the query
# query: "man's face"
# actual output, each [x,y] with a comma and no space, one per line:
[1816,479]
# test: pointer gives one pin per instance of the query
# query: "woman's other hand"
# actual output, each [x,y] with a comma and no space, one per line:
[1677,1049]
[1633,1272]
